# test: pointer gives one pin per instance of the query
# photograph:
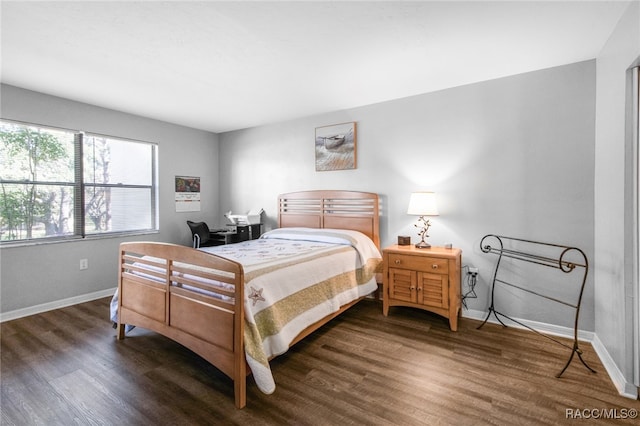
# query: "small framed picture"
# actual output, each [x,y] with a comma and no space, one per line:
[336,147]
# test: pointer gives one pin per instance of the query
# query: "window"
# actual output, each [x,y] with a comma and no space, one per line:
[119,194]
[58,183]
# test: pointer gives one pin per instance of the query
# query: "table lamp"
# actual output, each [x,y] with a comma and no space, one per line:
[423,204]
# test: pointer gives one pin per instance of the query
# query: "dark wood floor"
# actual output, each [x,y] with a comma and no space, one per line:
[65,367]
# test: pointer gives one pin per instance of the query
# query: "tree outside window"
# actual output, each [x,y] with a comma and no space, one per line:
[60,183]
[37,182]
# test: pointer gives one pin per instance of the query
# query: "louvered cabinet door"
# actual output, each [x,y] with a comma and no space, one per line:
[402,285]
[433,290]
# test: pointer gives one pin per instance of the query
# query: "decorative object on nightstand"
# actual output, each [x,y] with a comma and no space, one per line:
[423,279]
[404,240]
[423,204]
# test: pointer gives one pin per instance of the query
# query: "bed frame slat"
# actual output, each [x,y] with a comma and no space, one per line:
[331,209]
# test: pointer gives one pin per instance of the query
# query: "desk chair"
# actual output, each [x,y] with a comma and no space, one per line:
[200,234]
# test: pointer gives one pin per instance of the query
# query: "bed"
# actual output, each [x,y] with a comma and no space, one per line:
[232,305]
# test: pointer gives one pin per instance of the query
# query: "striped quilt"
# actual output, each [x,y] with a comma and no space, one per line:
[293,278]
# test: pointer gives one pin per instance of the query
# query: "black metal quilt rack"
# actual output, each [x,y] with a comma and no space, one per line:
[495,244]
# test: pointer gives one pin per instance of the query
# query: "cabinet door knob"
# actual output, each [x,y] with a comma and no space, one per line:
[397,261]
[434,266]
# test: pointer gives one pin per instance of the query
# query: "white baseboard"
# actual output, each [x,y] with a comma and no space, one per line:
[551,329]
[32,310]
[626,389]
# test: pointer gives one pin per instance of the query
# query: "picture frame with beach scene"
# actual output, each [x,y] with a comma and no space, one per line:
[335,147]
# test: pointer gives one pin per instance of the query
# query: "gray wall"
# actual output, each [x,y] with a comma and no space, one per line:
[513,156]
[44,273]
[614,284]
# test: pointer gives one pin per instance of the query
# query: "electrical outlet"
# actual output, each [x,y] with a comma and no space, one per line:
[473,271]
[84,264]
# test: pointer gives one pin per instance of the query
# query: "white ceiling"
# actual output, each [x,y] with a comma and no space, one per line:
[221,66]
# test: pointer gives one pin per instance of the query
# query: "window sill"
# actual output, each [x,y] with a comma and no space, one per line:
[72,239]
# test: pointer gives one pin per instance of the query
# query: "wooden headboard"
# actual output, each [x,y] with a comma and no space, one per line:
[331,209]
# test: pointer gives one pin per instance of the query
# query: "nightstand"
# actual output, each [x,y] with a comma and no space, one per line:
[426,279]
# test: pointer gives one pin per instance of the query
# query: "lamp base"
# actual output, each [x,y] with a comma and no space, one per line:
[423,245]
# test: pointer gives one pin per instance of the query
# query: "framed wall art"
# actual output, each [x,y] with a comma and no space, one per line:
[336,147]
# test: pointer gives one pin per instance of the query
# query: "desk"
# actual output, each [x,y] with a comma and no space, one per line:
[236,234]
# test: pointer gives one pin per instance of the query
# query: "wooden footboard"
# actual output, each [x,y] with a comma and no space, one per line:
[189,296]
[176,291]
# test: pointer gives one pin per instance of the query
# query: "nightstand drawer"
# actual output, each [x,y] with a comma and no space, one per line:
[433,265]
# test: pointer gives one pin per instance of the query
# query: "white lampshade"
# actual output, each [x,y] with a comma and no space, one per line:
[423,204]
